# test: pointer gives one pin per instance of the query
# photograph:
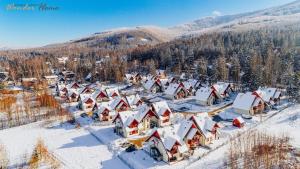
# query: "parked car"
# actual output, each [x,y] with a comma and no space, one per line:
[84,115]
[131,148]
[95,116]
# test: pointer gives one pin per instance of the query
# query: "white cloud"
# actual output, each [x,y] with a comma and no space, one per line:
[216,13]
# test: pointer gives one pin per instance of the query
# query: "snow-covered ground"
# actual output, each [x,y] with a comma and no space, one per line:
[97,146]
[286,121]
[76,148]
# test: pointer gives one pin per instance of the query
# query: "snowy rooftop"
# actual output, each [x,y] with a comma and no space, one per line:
[204,123]
[51,77]
[220,87]
[203,93]
[244,101]
[160,107]
[149,83]
[111,91]
[172,88]
[85,97]
[127,117]
[267,93]
[133,99]
[115,102]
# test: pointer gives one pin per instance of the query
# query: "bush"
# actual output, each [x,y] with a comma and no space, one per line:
[259,150]
[3,158]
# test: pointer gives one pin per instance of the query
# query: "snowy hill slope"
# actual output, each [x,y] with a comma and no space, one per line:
[131,37]
[285,14]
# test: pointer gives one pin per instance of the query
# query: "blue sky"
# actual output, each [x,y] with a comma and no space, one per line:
[78,18]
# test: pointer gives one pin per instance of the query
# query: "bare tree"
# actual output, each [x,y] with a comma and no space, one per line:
[3,158]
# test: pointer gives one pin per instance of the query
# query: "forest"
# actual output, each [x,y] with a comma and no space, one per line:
[260,57]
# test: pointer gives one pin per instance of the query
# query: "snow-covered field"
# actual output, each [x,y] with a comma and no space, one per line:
[286,122]
[95,146]
[76,148]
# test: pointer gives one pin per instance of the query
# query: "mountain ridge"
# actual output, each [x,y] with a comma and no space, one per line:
[130,37]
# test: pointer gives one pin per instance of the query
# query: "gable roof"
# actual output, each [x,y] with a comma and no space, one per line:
[203,93]
[116,101]
[191,134]
[277,94]
[104,105]
[126,117]
[71,85]
[128,76]
[245,101]
[267,93]
[150,82]
[204,123]
[142,111]
[220,87]
[97,92]
[72,91]
[173,88]
[111,91]
[169,137]
[61,86]
[133,99]
[160,107]
[191,83]
[85,97]
[185,126]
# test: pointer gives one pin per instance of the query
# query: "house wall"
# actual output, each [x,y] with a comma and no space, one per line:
[119,127]
[178,155]
[144,124]
[192,142]
[51,81]
[169,96]
[155,121]
[259,109]
[210,100]
[242,111]
[127,130]
[205,141]
[155,88]
[71,99]
[181,93]
[161,123]
[160,147]
[84,106]
[105,116]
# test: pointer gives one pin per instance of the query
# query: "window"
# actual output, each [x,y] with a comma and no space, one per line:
[133,132]
[166,120]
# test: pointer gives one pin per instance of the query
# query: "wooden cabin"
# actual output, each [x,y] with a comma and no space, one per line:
[248,104]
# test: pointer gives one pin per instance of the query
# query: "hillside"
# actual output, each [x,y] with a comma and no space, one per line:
[122,38]
[283,15]
[128,38]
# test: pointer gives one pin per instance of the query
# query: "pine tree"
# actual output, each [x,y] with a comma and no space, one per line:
[222,70]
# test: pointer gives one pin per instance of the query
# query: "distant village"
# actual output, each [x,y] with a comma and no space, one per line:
[170,117]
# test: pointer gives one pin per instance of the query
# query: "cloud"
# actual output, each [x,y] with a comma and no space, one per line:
[216,13]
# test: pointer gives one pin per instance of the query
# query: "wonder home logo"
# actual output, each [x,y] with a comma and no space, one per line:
[31,7]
